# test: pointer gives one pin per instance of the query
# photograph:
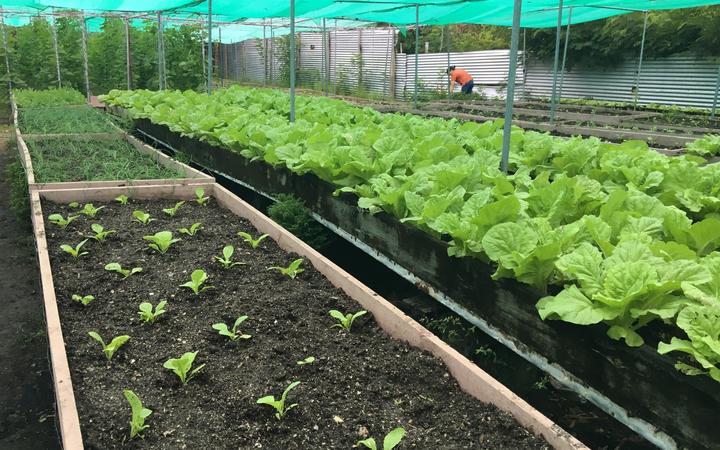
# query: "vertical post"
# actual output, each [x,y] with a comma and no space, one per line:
[221,58]
[449,41]
[417,50]
[265,56]
[209,52]
[386,76]
[567,40]
[393,66]
[86,70]
[272,53]
[553,99]
[202,53]
[510,97]
[715,99]
[292,60]
[57,52]
[160,53]
[7,54]
[128,57]
[642,52]
[325,53]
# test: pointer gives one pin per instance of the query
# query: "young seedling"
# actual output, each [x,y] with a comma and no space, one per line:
[84,299]
[60,221]
[392,439]
[90,210]
[345,321]
[139,414]
[200,197]
[161,241]
[233,334]
[116,267]
[149,315]
[76,251]
[113,346]
[74,205]
[122,199]
[197,279]
[292,270]
[100,233]
[192,231]
[308,360]
[226,261]
[254,243]
[279,405]
[182,367]
[172,211]
[142,217]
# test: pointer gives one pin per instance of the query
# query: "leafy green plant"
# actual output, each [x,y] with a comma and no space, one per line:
[308,360]
[150,315]
[112,347]
[292,214]
[116,267]
[292,270]
[345,321]
[392,439]
[254,243]
[138,414]
[281,409]
[182,367]
[226,260]
[709,145]
[76,251]
[142,217]
[200,197]
[60,221]
[73,205]
[161,241]
[122,199]
[84,299]
[90,210]
[100,233]
[197,282]
[174,210]
[192,231]
[232,333]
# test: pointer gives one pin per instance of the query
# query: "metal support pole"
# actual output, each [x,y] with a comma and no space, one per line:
[272,54]
[209,52]
[510,97]
[128,56]
[567,40]
[161,53]
[325,53]
[717,91]
[57,52]
[265,56]
[553,98]
[7,54]
[417,50]
[292,61]
[221,59]
[448,58]
[86,70]
[642,52]
[388,49]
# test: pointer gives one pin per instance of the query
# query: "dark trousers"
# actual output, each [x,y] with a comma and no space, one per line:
[467,87]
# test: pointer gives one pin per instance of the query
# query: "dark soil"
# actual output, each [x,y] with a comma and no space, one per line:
[27,408]
[362,383]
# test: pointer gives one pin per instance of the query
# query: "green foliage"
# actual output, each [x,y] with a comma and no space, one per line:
[291,213]
[138,414]
[308,360]
[292,270]
[345,321]
[226,260]
[116,267]
[90,210]
[64,119]
[76,251]
[254,243]
[19,198]
[60,221]
[31,98]
[281,409]
[172,211]
[392,439]
[182,367]
[232,333]
[192,231]
[150,315]
[197,282]
[200,197]
[100,233]
[112,347]
[142,217]
[122,199]
[709,145]
[161,241]
[84,299]
[461,38]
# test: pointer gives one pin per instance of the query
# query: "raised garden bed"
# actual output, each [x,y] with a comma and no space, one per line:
[360,383]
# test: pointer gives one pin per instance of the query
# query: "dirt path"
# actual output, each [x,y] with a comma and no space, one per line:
[27,410]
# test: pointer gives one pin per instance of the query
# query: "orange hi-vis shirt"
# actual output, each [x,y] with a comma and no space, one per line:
[460,76]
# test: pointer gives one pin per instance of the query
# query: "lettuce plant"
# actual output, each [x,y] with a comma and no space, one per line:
[345,321]
[110,348]
[182,367]
[281,409]
[308,360]
[200,197]
[292,270]
[76,251]
[392,439]
[74,205]
[161,241]
[174,210]
[84,299]
[122,199]
[60,221]
[138,414]
[197,281]
[192,231]
[100,233]
[226,260]
[90,210]
[149,315]
[116,267]
[142,217]
[254,243]
[232,333]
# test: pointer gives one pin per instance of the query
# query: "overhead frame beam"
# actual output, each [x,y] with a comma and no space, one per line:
[510,92]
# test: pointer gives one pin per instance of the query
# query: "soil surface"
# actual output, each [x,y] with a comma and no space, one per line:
[361,384]
[27,404]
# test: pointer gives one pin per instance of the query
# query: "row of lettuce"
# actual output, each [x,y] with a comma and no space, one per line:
[622,234]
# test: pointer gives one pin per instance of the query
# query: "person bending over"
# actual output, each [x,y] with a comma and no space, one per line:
[462,77]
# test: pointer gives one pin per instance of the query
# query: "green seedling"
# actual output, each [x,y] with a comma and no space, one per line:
[100,233]
[122,199]
[161,241]
[392,439]
[139,414]
[142,217]
[200,197]
[149,315]
[254,243]
[233,334]
[113,346]
[182,367]
[84,299]
[280,408]
[226,261]
[345,321]
[60,221]
[308,360]
[197,279]
[116,267]
[172,211]
[74,205]
[292,270]
[192,231]
[90,210]
[76,251]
